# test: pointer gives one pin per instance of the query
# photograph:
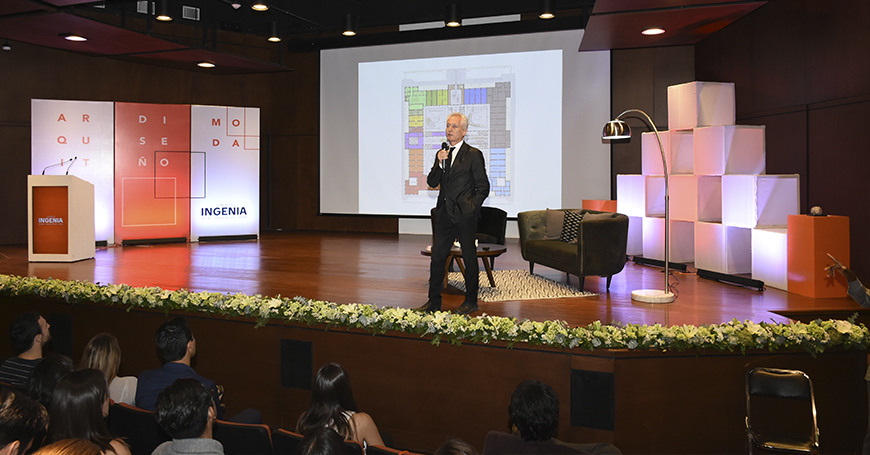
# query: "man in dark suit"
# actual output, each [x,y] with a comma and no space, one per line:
[461,172]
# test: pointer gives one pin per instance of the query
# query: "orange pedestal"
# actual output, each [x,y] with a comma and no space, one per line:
[810,239]
[600,205]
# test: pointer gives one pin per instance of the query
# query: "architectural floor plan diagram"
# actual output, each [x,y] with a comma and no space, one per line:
[484,95]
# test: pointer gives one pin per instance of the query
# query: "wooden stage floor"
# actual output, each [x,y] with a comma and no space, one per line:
[388,270]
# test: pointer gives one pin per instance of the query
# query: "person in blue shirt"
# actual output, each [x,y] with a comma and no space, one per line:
[177,346]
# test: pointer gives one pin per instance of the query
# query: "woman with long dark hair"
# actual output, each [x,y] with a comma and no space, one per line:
[79,406]
[333,406]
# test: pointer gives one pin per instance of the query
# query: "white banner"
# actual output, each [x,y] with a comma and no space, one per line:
[225,171]
[84,131]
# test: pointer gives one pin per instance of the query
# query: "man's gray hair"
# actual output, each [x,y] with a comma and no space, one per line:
[463,122]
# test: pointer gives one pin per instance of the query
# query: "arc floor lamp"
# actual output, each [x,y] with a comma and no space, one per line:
[618,129]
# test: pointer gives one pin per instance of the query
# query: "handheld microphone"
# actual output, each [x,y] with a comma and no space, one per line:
[444,146]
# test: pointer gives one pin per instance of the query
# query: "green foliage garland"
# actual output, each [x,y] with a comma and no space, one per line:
[736,335]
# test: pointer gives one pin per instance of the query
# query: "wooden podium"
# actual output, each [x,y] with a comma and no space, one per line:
[60,218]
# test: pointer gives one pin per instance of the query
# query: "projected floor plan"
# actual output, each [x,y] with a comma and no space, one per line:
[484,95]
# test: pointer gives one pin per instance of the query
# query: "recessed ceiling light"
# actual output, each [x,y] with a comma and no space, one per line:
[205,65]
[259,6]
[653,31]
[73,37]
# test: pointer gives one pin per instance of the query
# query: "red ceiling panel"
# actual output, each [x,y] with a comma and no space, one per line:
[612,6]
[224,63]
[103,39]
[682,26]
[19,6]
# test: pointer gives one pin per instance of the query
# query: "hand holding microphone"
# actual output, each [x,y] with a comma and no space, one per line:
[442,154]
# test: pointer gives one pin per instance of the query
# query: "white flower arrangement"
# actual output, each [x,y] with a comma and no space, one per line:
[814,337]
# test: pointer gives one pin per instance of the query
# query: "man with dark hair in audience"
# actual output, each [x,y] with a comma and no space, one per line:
[28,334]
[186,413]
[534,418]
[324,441]
[178,347]
[21,421]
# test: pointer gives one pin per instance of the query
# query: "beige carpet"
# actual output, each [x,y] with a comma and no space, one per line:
[517,285]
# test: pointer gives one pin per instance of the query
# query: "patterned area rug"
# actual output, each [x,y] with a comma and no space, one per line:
[517,285]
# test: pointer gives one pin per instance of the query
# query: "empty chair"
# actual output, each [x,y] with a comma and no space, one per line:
[285,442]
[138,427]
[243,438]
[780,411]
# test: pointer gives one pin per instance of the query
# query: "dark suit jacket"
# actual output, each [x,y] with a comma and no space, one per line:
[464,188]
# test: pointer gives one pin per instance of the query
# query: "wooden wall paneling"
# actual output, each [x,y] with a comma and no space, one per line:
[28,72]
[779,59]
[785,136]
[15,153]
[156,84]
[838,166]
[95,78]
[726,56]
[640,80]
[837,37]
[282,192]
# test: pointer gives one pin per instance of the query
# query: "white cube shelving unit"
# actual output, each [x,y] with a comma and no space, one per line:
[635,236]
[682,245]
[727,215]
[679,153]
[698,104]
[640,195]
[724,249]
[696,197]
[770,257]
[722,150]
[759,201]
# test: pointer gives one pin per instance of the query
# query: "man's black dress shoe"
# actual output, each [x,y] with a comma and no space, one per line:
[465,308]
[430,307]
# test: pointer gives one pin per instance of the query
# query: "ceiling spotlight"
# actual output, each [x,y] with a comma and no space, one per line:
[548,9]
[73,37]
[453,16]
[163,11]
[259,5]
[653,31]
[6,46]
[205,65]
[274,36]
[349,25]
[236,5]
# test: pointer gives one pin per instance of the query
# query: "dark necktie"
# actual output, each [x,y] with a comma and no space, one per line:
[449,161]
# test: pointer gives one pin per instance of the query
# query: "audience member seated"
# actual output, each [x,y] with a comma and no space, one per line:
[44,377]
[103,353]
[21,421]
[75,446]
[28,334]
[186,412]
[333,406]
[456,447]
[79,406]
[534,419]
[177,346]
[323,441]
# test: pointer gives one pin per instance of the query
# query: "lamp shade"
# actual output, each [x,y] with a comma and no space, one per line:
[616,129]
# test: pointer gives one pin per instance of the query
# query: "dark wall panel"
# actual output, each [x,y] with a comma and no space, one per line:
[838,177]
[640,80]
[837,49]
[806,77]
